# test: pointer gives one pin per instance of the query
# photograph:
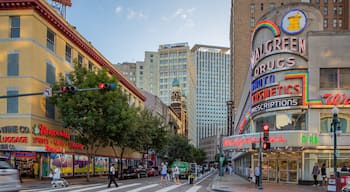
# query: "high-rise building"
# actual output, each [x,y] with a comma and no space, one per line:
[212,68]
[173,64]
[245,15]
[147,73]
[128,70]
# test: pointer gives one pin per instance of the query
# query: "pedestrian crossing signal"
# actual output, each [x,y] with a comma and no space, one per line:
[266,145]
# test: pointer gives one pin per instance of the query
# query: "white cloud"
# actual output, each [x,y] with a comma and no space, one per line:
[132,14]
[118,9]
[184,18]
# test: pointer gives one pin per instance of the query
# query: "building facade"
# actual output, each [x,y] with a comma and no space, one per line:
[128,70]
[297,74]
[148,74]
[212,68]
[37,44]
[246,14]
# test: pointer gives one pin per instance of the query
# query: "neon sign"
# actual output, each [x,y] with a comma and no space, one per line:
[275,91]
[14,139]
[44,130]
[239,142]
[336,99]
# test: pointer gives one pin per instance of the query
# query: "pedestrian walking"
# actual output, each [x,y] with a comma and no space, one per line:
[176,175]
[323,174]
[315,173]
[111,176]
[257,175]
[163,173]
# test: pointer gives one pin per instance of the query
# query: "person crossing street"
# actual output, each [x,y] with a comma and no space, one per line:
[111,176]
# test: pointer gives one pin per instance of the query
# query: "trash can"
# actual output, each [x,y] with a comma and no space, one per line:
[333,184]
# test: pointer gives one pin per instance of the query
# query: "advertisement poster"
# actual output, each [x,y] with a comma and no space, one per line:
[101,164]
[81,164]
[62,161]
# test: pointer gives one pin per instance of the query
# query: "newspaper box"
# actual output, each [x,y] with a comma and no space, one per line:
[332,184]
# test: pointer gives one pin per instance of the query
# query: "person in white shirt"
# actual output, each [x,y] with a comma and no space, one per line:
[257,175]
[111,176]
[177,175]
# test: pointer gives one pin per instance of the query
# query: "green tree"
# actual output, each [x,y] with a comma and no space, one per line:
[198,155]
[90,113]
[177,148]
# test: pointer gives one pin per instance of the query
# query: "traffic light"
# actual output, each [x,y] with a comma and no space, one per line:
[266,145]
[106,86]
[266,133]
[68,89]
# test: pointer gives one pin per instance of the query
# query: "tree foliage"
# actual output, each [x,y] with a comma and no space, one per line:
[90,114]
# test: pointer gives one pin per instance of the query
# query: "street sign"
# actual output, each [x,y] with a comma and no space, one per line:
[48,92]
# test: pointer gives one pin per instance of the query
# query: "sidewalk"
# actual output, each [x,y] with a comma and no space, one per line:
[235,183]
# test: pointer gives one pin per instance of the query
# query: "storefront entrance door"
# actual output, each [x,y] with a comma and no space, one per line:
[288,170]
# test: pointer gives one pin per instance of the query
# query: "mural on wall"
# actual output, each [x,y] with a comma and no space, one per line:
[62,161]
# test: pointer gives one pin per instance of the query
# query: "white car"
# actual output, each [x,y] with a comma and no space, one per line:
[9,178]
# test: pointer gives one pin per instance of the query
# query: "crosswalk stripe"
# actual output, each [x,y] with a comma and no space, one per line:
[145,187]
[50,189]
[169,188]
[194,188]
[120,187]
[90,188]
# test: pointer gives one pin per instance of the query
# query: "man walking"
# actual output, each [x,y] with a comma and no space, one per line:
[163,173]
[111,176]
[257,176]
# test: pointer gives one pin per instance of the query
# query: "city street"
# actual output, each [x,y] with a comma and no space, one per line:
[99,184]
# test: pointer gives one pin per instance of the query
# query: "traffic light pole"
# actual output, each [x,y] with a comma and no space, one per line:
[260,187]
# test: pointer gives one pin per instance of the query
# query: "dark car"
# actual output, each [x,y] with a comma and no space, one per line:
[133,172]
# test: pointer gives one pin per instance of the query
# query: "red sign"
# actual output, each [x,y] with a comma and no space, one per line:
[40,140]
[336,99]
[239,142]
[275,91]
[44,130]
[53,149]
[14,139]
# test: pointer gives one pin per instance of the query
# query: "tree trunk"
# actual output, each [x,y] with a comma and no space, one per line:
[121,161]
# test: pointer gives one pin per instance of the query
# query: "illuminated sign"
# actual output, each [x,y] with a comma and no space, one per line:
[311,139]
[293,22]
[239,142]
[336,99]
[273,65]
[25,155]
[14,139]
[263,82]
[276,104]
[278,90]
[45,131]
[14,129]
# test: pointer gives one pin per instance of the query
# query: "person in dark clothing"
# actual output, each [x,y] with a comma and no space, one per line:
[344,168]
[111,176]
[315,173]
[323,174]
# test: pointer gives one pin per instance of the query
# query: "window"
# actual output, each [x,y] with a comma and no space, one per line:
[327,119]
[325,11]
[334,11]
[325,23]
[50,110]
[15,26]
[317,1]
[252,22]
[50,73]
[272,6]
[340,10]
[335,78]
[252,8]
[325,1]
[68,53]
[12,64]
[12,102]
[50,41]
[334,23]
[91,66]
[261,6]
[340,23]
[80,60]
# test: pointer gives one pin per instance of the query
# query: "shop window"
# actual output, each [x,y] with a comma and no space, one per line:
[50,40]
[290,121]
[326,121]
[261,121]
[15,23]
[13,64]
[12,102]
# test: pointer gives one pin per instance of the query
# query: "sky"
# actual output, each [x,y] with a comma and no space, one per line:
[122,30]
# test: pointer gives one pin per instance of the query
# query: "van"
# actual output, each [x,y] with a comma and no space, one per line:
[183,166]
[9,178]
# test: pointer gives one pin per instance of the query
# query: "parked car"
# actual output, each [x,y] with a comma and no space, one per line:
[152,171]
[133,172]
[9,178]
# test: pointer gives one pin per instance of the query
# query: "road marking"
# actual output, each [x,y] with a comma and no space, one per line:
[145,187]
[89,188]
[169,188]
[50,189]
[194,188]
[120,187]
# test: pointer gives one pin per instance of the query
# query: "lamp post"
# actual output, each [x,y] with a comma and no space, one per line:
[335,112]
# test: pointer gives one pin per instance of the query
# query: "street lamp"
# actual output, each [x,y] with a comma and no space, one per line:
[335,122]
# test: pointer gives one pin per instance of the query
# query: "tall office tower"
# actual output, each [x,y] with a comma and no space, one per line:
[173,63]
[245,15]
[128,70]
[147,73]
[212,67]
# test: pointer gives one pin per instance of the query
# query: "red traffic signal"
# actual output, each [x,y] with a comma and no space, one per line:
[266,130]
[106,86]
[68,89]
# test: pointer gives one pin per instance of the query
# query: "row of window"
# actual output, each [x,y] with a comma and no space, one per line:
[337,23]
[326,1]
[336,11]
[335,78]
[172,55]
[165,61]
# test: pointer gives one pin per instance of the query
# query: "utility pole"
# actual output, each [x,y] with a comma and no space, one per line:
[260,187]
